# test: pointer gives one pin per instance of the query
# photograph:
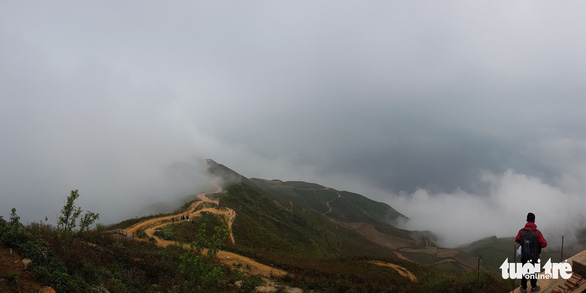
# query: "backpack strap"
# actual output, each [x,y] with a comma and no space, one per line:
[538,244]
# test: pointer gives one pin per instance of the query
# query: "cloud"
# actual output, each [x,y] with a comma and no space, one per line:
[460,217]
[92,129]
[397,101]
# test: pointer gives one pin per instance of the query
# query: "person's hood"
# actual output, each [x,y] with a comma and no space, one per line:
[530,226]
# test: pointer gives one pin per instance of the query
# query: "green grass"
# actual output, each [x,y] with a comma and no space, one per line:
[265,224]
[371,209]
[321,254]
[186,232]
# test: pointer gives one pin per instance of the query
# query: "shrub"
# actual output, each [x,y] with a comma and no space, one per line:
[199,272]
[70,213]
[11,278]
[249,284]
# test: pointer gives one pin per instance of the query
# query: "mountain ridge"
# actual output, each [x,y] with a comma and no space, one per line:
[297,206]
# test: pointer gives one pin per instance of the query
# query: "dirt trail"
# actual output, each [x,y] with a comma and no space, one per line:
[328,204]
[231,259]
[159,220]
[401,270]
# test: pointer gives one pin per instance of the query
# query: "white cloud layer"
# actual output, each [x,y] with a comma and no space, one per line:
[402,101]
[460,217]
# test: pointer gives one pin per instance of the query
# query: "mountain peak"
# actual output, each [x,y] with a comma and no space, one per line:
[227,175]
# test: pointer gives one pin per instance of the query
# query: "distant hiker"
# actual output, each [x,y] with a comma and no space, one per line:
[172,219]
[532,242]
[187,217]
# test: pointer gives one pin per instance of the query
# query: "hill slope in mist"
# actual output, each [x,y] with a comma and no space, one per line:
[300,226]
[292,221]
[294,234]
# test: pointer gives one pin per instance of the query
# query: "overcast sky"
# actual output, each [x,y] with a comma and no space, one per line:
[459,114]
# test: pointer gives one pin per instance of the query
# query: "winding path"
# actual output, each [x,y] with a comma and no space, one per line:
[401,270]
[328,203]
[231,259]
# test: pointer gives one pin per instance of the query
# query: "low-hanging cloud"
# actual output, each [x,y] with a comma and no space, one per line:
[503,200]
[90,128]
[474,108]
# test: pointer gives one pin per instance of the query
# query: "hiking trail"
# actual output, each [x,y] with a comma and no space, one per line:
[401,270]
[231,259]
[328,203]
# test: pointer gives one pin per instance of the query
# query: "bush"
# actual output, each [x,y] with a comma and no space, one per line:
[77,262]
[11,278]
[249,284]
[48,270]
[70,213]
[199,272]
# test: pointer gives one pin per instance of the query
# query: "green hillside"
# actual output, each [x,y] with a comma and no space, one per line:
[268,225]
[323,239]
[284,221]
[346,206]
[306,227]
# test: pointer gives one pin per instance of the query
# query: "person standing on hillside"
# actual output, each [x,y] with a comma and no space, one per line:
[531,241]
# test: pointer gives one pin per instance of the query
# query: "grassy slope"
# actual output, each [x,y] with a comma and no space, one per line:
[284,223]
[267,225]
[348,208]
[323,255]
[360,206]
[351,207]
